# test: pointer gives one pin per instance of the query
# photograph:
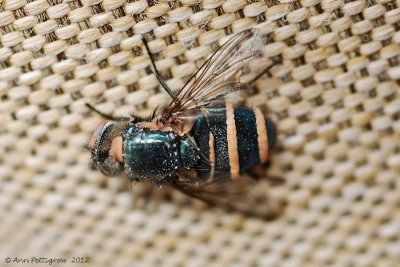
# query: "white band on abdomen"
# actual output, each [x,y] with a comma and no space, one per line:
[262,136]
[231,136]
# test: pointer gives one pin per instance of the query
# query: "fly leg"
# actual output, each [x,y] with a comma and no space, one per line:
[266,70]
[108,116]
[156,72]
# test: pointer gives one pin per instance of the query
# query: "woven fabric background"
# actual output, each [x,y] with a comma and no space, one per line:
[335,98]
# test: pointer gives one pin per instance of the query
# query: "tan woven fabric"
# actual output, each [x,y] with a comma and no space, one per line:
[336,100]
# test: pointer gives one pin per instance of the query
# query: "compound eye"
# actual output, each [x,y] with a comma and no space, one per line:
[101,145]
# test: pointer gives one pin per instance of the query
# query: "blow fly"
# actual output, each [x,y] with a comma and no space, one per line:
[199,144]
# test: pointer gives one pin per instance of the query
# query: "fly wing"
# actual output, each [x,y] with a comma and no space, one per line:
[221,74]
[244,194]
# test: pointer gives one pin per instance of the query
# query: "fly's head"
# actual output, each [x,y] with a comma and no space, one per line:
[106,148]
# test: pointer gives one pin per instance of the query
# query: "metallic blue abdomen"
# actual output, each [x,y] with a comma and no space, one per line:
[247,147]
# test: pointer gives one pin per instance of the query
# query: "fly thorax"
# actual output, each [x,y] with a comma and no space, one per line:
[150,154]
[189,153]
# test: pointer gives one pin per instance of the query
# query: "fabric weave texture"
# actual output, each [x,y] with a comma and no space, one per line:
[335,99]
